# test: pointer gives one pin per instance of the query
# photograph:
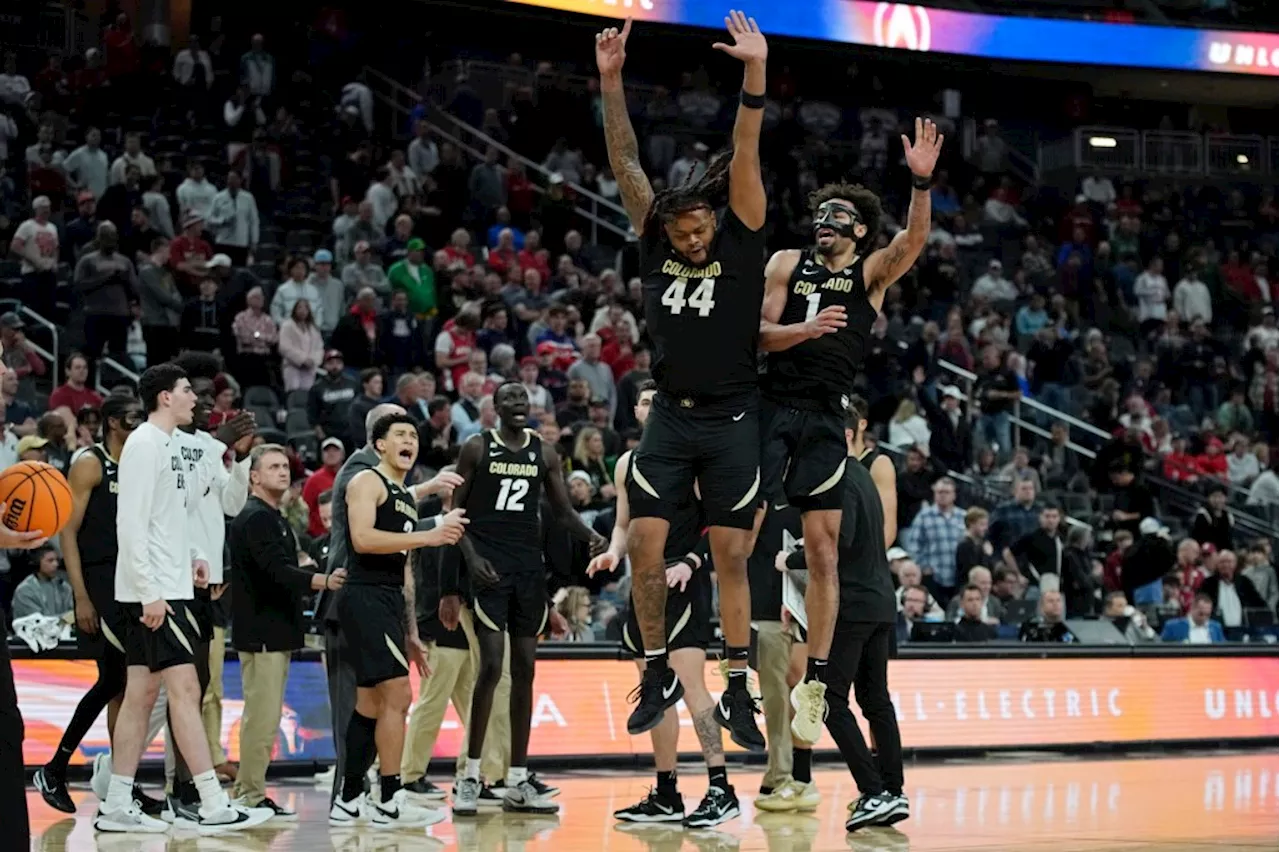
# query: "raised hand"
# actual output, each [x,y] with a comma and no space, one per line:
[611,49]
[237,428]
[748,42]
[606,562]
[923,155]
[442,484]
[829,320]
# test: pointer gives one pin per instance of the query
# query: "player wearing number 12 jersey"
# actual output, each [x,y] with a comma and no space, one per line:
[702,274]
[819,306]
[504,472]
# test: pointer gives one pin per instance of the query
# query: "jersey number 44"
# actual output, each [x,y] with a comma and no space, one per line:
[702,299]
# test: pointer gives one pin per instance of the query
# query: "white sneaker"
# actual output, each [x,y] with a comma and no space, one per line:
[231,817]
[325,778]
[128,819]
[398,813]
[809,700]
[525,798]
[790,797]
[348,813]
[101,780]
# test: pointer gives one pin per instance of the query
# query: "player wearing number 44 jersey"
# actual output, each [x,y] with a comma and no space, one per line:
[703,277]
[819,306]
[504,472]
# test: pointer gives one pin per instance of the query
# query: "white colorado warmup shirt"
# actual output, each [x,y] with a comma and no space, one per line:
[155,545]
[224,492]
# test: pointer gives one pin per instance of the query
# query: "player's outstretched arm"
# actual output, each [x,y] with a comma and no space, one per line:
[775,337]
[612,557]
[746,186]
[619,135]
[886,479]
[562,508]
[365,493]
[890,263]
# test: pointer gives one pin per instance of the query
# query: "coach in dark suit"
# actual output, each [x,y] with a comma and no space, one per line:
[338,668]
[1236,602]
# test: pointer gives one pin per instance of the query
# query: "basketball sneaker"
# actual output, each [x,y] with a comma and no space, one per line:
[658,690]
[424,791]
[901,810]
[466,797]
[129,819]
[351,813]
[397,813]
[100,780]
[653,808]
[524,798]
[736,712]
[229,817]
[719,805]
[53,789]
[790,797]
[869,810]
[809,700]
[546,791]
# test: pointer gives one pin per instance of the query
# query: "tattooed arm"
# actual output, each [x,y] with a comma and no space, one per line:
[890,263]
[620,137]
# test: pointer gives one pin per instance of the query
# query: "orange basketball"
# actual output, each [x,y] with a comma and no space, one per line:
[35,497]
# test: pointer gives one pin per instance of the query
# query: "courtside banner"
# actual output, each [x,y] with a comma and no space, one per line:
[580,707]
[902,26]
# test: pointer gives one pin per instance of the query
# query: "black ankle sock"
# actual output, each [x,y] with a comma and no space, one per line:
[389,785]
[657,662]
[667,784]
[816,670]
[737,676]
[718,777]
[360,749]
[802,764]
[57,765]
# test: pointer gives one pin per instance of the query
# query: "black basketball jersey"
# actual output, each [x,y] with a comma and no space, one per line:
[818,374]
[502,505]
[96,538]
[868,457]
[705,321]
[397,514]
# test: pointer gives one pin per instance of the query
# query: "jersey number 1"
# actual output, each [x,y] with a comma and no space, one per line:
[702,298]
[511,494]
[812,311]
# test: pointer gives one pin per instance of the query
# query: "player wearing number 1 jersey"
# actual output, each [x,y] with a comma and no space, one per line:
[819,306]
[504,473]
[702,274]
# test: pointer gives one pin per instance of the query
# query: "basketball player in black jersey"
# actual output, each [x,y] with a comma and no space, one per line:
[383,517]
[688,626]
[89,551]
[819,306]
[703,282]
[504,472]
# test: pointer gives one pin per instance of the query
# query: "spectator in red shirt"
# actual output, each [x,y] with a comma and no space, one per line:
[519,194]
[1112,569]
[454,345]
[1188,571]
[1212,462]
[332,455]
[75,393]
[459,248]
[1077,224]
[189,254]
[1179,465]
[617,351]
[503,257]
[122,52]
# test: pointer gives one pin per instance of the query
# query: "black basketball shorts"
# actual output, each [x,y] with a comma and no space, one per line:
[802,457]
[688,623]
[173,643]
[113,625]
[716,445]
[372,623]
[517,605]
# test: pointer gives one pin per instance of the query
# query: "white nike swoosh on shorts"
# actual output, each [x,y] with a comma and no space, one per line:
[739,417]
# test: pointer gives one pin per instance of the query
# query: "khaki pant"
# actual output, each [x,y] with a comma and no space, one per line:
[773,652]
[211,706]
[262,679]
[453,677]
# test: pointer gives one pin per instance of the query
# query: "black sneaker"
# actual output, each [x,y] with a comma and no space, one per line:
[53,789]
[658,690]
[150,806]
[546,791]
[424,790]
[279,813]
[736,712]
[654,807]
[719,805]
[175,810]
[870,810]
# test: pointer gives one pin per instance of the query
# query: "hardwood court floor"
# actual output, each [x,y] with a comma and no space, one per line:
[1192,803]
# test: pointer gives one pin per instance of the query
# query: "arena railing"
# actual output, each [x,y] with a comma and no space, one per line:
[53,358]
[602,213]
[1162,152]
[105,364]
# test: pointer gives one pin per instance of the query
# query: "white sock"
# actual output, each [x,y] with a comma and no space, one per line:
[120,793]
[473,769]
[516,774]
[211,795]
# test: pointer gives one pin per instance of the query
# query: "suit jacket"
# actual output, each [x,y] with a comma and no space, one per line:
[1245,590]
[1178,629]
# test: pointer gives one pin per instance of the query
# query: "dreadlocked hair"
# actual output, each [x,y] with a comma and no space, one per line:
[864,200]
[199,365]
[710,191]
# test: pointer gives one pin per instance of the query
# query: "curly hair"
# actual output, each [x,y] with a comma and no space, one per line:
[199,365]
[866,202]
[711,191]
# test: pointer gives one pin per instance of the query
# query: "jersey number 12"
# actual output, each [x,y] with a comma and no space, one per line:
[511,494]
[702,297]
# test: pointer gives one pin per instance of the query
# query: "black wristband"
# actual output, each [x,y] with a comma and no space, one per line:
[924,184]
[751,101]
